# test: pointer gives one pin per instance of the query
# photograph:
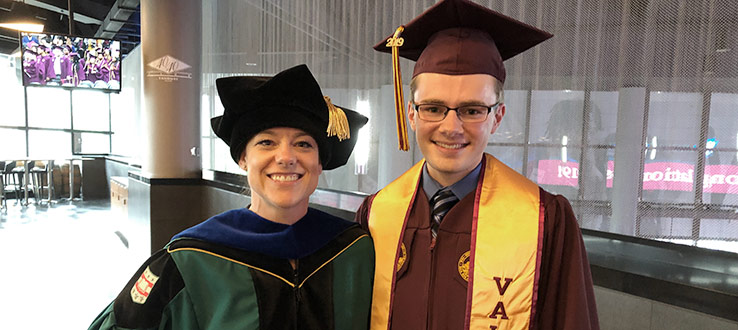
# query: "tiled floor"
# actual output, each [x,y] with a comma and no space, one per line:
[60,265]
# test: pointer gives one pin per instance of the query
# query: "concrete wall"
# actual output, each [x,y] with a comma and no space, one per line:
[137,228]
[173,209]
[620,311]
[94,183]
[215,201]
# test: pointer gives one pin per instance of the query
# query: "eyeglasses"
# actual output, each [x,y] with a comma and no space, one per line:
[466,113]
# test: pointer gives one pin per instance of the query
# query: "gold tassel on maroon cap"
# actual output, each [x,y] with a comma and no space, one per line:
[337,122]
[396,42]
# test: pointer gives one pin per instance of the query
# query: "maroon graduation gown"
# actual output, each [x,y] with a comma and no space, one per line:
[431,294]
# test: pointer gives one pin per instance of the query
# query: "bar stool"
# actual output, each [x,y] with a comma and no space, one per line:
[40,178]
[3,202]
[21,184]
[8,177]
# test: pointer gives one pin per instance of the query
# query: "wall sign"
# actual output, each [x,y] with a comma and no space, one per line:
[168,68]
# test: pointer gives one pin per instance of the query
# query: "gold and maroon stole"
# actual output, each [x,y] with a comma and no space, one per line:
[386,224]
[505,252]
[507,235]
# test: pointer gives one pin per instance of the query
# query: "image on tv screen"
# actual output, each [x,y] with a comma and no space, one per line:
[70,61]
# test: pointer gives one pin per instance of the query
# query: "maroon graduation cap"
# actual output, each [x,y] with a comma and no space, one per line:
[456,37]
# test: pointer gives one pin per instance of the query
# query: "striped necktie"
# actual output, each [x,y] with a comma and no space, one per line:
[440,204]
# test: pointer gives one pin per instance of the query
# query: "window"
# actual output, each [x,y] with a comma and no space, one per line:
[91,110]
[48,107]
[563,100]
[12,112]
[49,144]
[50,115]
[13,142]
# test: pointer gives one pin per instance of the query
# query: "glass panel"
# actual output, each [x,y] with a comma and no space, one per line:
[598,173]
[719,229]
[556,169]
[206,153]
[603,117]
[48,107]
[123,121]
[205,115]
[556,117]
[666,227]
[13,143]
[511,156]
[673,119]
[12,112]
[593,217]
[668,176]
[512,128]
[721,166]
[44,144]
[221,157]
[720,184]
[217,107]
[120,145]
[222,160]
[723,124]
[91,110]
[94,143]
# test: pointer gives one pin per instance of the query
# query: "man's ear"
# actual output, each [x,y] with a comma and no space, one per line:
[411,115]
[498,114]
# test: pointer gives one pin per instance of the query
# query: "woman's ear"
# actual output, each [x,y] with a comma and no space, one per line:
[242,162]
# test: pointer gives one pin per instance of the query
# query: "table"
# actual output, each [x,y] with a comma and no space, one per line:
[49,170]
[71,177]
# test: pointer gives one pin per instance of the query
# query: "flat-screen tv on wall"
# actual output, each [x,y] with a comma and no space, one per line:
[70,61]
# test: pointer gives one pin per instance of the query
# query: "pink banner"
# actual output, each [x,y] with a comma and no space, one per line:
[656,176]
[721,179]
[668,176]
[558,173]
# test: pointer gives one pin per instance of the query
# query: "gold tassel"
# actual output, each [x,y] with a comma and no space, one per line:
[337,122]
[396,42]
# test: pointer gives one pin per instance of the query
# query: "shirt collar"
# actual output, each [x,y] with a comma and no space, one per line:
[460,189]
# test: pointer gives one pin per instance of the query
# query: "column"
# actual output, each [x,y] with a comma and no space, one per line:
[166,196]
[171,41]
[628,159]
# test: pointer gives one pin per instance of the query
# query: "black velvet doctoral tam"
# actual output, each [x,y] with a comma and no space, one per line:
[292,98]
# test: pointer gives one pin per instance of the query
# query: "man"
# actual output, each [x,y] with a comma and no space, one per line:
[462,241]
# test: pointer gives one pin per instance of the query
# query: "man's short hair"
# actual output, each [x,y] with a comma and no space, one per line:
[499,89]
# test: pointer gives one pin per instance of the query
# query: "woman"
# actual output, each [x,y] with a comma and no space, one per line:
[276,264]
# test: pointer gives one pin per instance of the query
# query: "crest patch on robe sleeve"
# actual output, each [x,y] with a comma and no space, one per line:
[144,284]
[148,292]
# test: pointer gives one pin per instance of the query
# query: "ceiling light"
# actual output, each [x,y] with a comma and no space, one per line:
[25,27]
[22,18]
